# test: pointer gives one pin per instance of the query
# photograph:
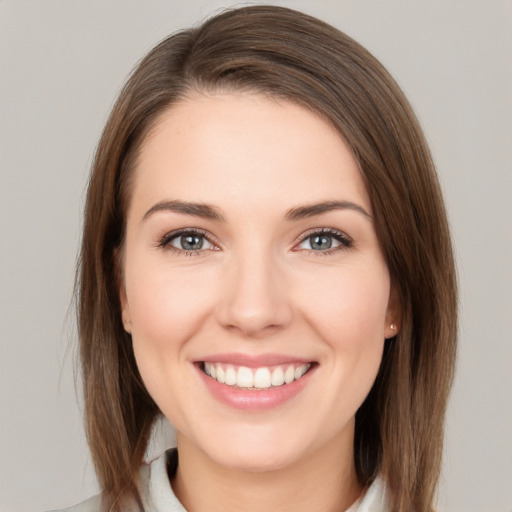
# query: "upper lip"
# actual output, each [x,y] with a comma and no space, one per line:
[253,360]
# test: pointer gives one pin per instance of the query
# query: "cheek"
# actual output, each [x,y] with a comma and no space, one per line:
[351,304]
[167,308]
[349,314]
[165,305]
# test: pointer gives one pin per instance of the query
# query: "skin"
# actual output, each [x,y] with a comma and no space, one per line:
[257,286]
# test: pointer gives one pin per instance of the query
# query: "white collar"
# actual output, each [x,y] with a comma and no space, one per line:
[158,495]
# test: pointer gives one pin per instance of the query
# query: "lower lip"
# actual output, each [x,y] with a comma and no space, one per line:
[255,399]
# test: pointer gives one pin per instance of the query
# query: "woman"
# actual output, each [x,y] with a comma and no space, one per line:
[266,262]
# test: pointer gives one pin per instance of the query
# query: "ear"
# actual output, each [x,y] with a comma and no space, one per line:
[123,300]
[393,320]
[125,310]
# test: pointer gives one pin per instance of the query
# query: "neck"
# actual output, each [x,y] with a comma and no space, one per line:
[324,481]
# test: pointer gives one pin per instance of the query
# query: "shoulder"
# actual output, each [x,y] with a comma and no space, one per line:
[97,504]
[93,504]
[156,493]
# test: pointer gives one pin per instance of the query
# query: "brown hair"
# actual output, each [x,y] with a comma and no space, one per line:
[286,55]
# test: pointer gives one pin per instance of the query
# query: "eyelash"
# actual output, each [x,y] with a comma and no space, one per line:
[165,241]
[345,241]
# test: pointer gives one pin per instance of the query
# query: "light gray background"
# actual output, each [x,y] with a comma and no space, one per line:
[62,63]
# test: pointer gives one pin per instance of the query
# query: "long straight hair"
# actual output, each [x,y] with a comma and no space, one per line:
[290,56]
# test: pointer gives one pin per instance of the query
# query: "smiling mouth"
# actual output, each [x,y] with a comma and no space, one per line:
[261,378]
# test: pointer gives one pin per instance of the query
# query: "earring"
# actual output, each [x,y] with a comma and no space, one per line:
[126,325]
[392,327]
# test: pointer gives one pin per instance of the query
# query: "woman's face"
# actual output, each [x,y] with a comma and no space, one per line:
[251,255]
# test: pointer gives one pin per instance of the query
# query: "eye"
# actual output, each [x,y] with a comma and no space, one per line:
[324,241]
[190,242]
[187,241]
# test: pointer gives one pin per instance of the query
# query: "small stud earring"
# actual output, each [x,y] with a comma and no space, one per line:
[127,325]
[392,327]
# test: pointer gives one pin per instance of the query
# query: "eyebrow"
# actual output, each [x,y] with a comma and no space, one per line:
[302,212]
[210,212]
[202,210]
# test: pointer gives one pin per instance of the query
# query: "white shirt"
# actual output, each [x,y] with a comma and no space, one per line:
[157,494]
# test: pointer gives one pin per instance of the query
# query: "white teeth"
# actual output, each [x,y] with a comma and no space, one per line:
[300,371]
[230,376]
[289,374]
[258,378]
[244,377]
[262,378]
[278,377]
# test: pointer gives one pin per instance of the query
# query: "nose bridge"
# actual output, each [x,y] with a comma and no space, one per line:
[254,299]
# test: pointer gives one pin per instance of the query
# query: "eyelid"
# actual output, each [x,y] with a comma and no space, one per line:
[164,241]
[168,236]
[345,240]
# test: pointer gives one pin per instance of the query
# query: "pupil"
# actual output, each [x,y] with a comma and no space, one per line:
[321,242]
[191,242]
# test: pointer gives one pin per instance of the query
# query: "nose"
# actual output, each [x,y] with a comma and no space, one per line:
[254,297]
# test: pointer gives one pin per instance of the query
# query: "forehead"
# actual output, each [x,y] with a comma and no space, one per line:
[245,149]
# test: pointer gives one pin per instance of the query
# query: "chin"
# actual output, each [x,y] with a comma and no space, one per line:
[255,461]
[249,449]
